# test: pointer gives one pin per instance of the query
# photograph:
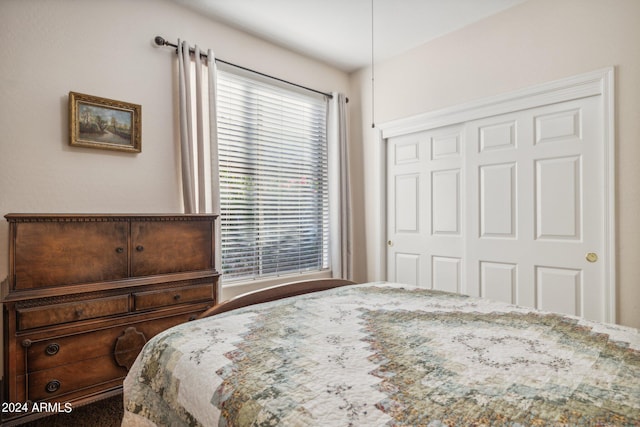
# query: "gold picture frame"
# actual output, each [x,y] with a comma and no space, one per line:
[104,123]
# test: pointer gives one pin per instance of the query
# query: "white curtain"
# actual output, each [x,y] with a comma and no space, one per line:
[199,146]
[198,131]
[340,189]
[187,141]
[214,159]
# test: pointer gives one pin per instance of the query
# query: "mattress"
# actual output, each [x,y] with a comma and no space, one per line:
[382,354]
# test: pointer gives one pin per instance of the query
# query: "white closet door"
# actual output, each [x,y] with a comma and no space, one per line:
[535,198]
[508,207]
[406,183]
[425,189]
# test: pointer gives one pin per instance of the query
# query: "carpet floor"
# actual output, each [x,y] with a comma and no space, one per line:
[104,413]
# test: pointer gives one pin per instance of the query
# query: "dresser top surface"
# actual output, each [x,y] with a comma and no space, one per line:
[45,217]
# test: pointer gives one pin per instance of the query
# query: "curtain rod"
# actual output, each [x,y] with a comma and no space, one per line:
[160,41]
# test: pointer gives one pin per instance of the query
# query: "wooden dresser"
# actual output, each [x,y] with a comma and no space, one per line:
[85,292]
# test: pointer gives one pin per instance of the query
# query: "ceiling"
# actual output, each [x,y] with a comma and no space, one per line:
[339,32]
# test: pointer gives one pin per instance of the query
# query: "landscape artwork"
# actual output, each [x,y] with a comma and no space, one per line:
[104,123]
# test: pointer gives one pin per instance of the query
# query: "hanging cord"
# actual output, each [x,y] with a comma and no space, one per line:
[373,124]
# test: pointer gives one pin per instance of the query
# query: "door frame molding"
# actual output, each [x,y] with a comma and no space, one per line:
[596,83]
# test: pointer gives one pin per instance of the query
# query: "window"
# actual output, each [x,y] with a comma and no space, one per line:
[273,179]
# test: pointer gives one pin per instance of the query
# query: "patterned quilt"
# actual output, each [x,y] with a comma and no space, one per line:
[386,355]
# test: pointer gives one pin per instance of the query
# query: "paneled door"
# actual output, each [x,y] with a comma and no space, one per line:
[508,207]
[425,191]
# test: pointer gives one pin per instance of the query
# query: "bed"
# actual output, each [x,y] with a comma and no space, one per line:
[380,354]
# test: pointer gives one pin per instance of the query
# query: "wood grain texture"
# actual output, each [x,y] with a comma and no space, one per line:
[54,254]
[84,293]
[275,293]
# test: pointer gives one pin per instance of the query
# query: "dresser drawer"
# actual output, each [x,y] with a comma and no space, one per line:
[50,353]
[162,298]
[35,317]
[70,377]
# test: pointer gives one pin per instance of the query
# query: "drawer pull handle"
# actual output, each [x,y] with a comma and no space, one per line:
[177,297]
[192,317]
[52,349]
[53,386]
[79,312]
[139,248]
[119,250]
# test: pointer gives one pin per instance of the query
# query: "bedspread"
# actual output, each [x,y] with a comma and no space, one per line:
[386,354]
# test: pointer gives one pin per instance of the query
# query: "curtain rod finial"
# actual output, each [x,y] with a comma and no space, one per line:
[159,41]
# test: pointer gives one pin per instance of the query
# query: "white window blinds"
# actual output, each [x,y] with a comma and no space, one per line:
[273,179]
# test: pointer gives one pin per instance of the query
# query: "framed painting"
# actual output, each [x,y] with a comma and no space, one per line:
[104,123]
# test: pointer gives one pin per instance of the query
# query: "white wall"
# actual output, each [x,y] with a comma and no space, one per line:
[104,48]
[535,42]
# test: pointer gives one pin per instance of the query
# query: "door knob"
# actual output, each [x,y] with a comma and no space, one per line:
[592,257]
[389,243]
